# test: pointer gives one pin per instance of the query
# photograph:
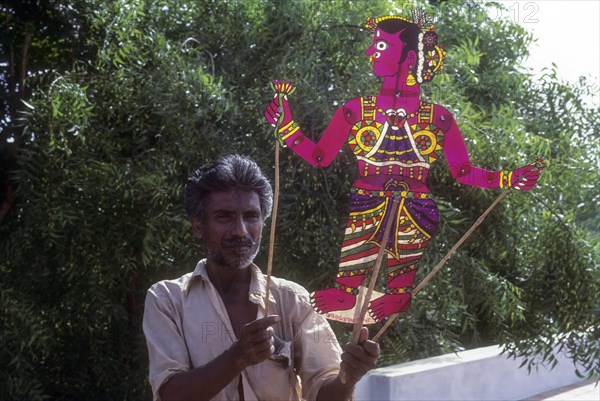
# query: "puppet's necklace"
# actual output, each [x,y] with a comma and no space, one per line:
[397,118]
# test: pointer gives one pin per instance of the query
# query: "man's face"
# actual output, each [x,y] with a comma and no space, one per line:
[231,228]
[385,52]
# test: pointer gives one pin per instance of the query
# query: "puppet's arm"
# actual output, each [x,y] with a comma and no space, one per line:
[463,171]
[319,154]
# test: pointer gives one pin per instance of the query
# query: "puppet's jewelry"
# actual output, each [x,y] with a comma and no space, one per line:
[346,289]
[400,112]
[505,179]
[419,18]
[398,290]
[410,79]
[288,130]
[397,118]
[372,22]
[420,58]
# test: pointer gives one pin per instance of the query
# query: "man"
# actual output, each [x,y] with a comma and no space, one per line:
[207,333]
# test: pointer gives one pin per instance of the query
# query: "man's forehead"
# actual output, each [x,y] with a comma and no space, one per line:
[232,200]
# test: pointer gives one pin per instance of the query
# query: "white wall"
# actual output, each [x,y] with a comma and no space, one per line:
[479,374]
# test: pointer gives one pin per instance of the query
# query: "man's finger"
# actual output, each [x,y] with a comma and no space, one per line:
[263,346]
[363,336]
[358,353]
[350,360]
[262,323]
[372,348]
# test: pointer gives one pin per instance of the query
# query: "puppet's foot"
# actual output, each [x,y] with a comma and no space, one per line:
[388,304]
[332,299]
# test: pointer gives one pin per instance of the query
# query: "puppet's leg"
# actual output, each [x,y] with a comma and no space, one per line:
[417,223]
[357,257]
[397,295]
[356,262]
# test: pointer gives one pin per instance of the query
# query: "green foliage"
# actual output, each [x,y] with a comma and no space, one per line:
[546,239]
[157,88]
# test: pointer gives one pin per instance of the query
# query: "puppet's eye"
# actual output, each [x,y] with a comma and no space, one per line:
[381,45]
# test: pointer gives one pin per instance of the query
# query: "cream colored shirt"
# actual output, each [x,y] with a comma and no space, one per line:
[186,326]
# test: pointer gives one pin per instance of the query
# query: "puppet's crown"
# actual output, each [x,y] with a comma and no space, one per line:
[419,18]
[430,54]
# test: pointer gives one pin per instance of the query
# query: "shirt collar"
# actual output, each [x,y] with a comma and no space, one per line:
[258,283]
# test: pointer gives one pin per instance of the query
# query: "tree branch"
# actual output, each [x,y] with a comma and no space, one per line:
[24,62]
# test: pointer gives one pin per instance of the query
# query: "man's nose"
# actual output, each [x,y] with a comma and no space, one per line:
[239,227]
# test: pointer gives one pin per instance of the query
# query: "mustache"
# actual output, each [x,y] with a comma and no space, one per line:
[244,241]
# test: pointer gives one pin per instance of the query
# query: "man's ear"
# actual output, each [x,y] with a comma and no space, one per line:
[196,226]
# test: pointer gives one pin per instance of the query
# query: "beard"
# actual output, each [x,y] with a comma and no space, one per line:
[234,253]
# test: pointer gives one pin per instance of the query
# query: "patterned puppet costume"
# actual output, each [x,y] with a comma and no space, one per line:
[405,151]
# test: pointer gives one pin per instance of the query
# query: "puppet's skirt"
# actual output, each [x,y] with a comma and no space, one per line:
[412,227]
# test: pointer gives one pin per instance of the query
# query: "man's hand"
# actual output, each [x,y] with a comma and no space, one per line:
[358,359]
[256,342]
[254,345]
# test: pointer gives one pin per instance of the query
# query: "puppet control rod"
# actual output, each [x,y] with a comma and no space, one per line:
[282,89]
[363,305]
[539,164]
[418,288]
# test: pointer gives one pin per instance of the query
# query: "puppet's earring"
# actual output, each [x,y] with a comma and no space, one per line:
[410,79]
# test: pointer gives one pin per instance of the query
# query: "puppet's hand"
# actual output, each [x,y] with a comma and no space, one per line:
[274,111]
[523,178]
[280,117]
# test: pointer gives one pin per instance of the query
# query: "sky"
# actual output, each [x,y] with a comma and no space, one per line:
[567,32]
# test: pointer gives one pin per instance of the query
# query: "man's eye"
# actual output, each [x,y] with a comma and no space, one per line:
[381,46]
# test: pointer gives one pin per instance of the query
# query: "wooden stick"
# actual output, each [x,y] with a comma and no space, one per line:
[358,307]
[273,226]
[367,298]
[365,304]
[443,261]
[275,207]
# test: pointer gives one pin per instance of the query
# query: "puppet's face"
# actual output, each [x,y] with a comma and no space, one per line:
[385,52]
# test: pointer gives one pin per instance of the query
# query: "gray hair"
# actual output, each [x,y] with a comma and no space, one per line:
[227,174]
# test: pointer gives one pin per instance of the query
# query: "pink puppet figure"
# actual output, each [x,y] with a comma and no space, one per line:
[395,136]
